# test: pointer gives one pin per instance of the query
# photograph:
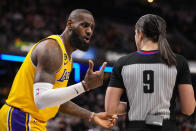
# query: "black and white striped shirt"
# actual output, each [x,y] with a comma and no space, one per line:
[149,83]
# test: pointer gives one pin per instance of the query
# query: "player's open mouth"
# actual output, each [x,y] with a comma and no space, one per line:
[86,39]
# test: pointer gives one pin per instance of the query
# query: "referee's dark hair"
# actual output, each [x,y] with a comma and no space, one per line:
[154,28]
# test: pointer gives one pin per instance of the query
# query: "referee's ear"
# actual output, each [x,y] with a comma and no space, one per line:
[141,35]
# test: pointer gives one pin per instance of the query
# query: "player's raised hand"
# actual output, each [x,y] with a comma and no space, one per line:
[94,79]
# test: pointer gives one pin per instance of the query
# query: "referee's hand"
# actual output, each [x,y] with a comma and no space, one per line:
[94,79]
[105,120]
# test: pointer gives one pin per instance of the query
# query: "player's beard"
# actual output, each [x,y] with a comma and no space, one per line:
[77,42]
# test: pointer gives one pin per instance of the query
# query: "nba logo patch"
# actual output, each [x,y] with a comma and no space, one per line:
[65,56]
[37,91]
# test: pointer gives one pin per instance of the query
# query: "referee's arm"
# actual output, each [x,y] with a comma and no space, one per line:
[113,105]
[115,89]
[187,99]
[185,88]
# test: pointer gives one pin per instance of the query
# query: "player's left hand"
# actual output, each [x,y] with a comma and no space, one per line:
[105,120]
[94,79]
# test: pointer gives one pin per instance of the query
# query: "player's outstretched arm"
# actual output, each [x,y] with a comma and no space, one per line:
[101,119]
[47,56]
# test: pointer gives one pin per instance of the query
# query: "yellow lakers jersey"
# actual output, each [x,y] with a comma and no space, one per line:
[21,94]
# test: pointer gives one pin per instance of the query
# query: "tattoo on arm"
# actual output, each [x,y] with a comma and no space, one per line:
[75,110]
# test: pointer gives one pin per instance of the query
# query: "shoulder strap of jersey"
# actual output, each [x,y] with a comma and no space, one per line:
[60,42]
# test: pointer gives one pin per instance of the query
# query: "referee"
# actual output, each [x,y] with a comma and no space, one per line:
[151,77]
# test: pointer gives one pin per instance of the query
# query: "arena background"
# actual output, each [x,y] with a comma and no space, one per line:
[24,22]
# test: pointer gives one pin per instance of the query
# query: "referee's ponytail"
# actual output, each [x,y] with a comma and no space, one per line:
[154,28]
[165,51]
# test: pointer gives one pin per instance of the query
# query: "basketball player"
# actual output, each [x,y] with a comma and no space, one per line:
[151,78]
[40,87]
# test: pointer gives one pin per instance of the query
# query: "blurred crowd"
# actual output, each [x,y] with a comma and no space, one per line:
[32,20]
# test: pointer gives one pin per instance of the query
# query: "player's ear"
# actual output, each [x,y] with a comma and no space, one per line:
[69,25]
